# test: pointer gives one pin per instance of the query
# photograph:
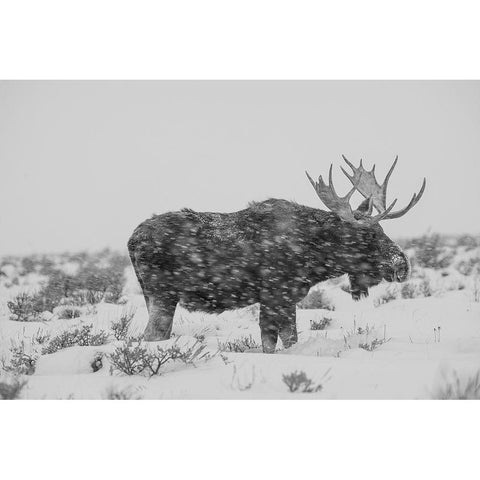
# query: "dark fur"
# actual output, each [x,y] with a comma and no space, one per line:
[270,253]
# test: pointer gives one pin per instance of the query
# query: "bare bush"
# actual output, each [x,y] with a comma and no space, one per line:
[431,251]
[114,393]
[129,358]
[40,337]
[239,345]
[102,276]
[408,290]
[389,295]
[134,359]
[373,344]
[68,313]
[299,382]
[425,288]
[416,290]
[470,266]
[121,327]
[21,362]
[321,324]
[468,241]
[80,336]
[25,307]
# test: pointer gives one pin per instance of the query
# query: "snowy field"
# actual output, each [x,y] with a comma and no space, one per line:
[418,340]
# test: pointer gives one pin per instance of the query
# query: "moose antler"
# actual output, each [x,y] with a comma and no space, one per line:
[341,205]
[367,185]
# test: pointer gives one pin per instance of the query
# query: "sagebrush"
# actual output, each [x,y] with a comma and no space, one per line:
[80,336]
[133,358]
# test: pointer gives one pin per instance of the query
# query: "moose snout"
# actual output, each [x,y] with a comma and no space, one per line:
[399,269]
[400,273]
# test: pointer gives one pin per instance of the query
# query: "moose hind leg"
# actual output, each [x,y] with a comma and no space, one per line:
[160,319]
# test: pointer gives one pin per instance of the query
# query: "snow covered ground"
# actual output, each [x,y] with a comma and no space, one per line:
[424,346]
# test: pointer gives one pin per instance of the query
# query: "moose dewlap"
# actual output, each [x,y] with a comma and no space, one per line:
[270,253]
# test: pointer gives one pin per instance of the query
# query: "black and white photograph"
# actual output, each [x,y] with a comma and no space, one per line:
[240,240]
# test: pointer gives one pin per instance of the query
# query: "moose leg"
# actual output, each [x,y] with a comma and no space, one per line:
[160,319]
[275,321]
[288,327]
[269,334]
[358,286]
[268,328]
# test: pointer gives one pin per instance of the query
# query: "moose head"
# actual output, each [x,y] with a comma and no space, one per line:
[365,252]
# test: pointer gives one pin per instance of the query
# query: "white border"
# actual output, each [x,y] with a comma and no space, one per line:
[238,40]
[238,439]
[301,39]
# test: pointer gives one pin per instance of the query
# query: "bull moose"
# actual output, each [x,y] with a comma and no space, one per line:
[270,253]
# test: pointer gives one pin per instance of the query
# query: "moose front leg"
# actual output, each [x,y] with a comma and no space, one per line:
[358,286]
[269,334]
[288,330]
[275,321]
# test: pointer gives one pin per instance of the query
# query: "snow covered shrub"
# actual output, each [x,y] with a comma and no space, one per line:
[135,359]
[84,297]
[67,313]
[114,393]
[467,267]
[28,264]
[11,389]
[431,252]
[373,344]
[25,307]
[455,389]
[388,295]
[408,290]
[46,265]
[158,358]
[40,337]
[80,336]
[468,241]
[91,278]
[59,286]
[128,358]
[299,382]
[363,337]
[121,327]
[315,300]
[425,288]
[416,289]
[239,345]
[21,362]
[321,324]
[102,276]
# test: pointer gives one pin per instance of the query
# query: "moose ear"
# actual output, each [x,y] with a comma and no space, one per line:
[366,206]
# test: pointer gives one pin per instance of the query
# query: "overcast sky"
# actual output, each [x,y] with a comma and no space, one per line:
[83,163]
